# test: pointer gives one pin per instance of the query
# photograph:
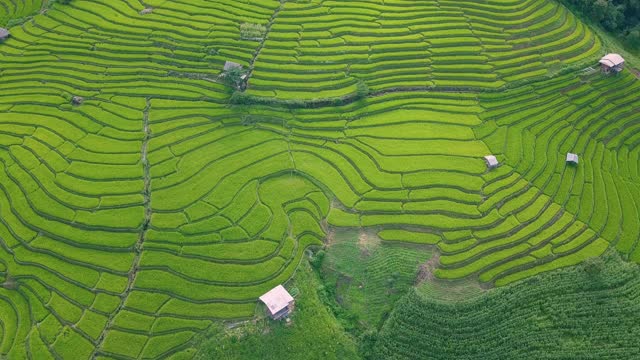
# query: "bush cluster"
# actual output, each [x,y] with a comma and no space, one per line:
[621,17]
[250,31]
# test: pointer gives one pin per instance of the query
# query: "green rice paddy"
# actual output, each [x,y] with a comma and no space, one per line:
[139,217]
[15,10]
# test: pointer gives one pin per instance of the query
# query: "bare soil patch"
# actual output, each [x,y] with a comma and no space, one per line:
[425,272]
[368,241]
[330,239]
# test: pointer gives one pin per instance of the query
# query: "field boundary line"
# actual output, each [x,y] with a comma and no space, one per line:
[146,192]
[256,54]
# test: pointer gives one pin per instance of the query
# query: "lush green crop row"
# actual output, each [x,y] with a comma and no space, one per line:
[140,216]
[393,46]
[73,180]
[18,9]
[528,319]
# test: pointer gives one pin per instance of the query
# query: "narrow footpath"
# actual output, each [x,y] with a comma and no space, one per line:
[138,247]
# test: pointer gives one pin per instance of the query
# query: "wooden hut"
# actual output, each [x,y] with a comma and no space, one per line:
[612,63]
[77,100]
[279,302]
[4,34]
[491,161]
[572,159]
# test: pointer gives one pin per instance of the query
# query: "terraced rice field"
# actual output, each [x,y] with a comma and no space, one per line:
[323,48]
[137,218]
[16,9]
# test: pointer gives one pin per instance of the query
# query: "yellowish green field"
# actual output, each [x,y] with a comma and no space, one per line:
[135,220]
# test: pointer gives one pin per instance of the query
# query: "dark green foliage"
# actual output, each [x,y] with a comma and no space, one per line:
[316,260]
[362,90]
[594,266]
[242,98]
[633,37]
[234,78]
[563,314]
[621,17]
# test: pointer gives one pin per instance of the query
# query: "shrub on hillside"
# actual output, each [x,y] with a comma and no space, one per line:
[250,31]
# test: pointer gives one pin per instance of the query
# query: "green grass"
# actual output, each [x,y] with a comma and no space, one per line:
[588,311]
[314,333]
[366,276]
[13,12]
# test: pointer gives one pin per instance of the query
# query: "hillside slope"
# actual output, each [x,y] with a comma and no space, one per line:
[586,312]
[16,9]
[138,207]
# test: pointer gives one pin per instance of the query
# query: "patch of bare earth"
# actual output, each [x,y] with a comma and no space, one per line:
[428,285]
[330,239]
[367,242]
[425,272]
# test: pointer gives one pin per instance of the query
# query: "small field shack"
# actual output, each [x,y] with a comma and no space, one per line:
[491,161]
[279,302]
[612,63]
[4,34]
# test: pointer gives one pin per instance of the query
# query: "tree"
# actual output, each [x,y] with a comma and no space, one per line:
[594,266]
[235,77]
[633,37]
[362,90]
[621,17]
[614,17]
